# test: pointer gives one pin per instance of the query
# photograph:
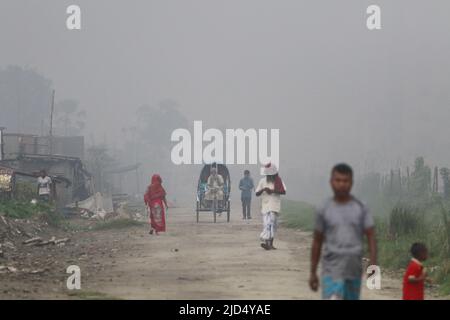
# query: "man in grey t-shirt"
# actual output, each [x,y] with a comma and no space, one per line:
[340,227]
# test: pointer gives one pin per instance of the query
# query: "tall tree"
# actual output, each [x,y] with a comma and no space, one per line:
[148,141]
[25,98]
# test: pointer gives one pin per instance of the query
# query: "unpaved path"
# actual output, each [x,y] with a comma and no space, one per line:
[214,261]
[190,261]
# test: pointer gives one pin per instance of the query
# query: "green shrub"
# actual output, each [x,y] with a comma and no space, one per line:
[404,221]
[117,224]
[52,217]
[21,209]
[25,191]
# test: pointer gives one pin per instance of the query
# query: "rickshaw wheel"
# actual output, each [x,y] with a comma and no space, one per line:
[197,211]
[228,211]
[214,208]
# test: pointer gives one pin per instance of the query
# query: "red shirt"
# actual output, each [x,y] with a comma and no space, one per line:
[413,290]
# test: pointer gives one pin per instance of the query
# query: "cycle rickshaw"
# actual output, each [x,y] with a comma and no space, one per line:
[215,200]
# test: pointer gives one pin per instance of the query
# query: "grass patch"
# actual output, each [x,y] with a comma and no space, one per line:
[72,227]
[52,217]
[441,276]
[406,224]
[396,230]
[117,224]
[90,295]
[298,215]
[23,209]
[25,191]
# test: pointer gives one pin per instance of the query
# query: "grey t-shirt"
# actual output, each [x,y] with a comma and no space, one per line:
[343,227]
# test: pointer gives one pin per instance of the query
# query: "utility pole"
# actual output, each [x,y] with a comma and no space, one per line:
[1,142]
[51,123]
[136,160]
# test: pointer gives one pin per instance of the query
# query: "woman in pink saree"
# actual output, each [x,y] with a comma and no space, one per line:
[155,199]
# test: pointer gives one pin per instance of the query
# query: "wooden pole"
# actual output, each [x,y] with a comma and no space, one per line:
[51,123]
[1,143]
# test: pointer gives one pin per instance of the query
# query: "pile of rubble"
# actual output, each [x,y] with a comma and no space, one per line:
[16,235]
[98,214]
[100,207]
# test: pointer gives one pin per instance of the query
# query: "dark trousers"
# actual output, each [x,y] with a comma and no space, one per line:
[246,204]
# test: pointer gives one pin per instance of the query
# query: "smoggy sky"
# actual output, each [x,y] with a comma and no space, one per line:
[336,90]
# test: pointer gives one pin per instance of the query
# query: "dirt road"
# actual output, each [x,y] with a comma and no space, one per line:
[213,261]
[190,261]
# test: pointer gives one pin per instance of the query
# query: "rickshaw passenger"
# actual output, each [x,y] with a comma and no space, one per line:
[216,182]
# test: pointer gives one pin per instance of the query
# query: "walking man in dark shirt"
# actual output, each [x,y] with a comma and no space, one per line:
[246,186]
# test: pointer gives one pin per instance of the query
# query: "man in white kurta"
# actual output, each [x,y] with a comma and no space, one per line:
[270,204]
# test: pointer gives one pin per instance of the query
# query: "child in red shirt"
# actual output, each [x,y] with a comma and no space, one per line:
[415,275]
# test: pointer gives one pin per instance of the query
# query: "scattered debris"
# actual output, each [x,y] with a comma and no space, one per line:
[122,213]
[62,241]
[97,206]
[5,269]
[53,240]
[19,236]
[32,240]
[37,271]
[100,214]
[9,245]
[4,221]
[44,243]
[12,269]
